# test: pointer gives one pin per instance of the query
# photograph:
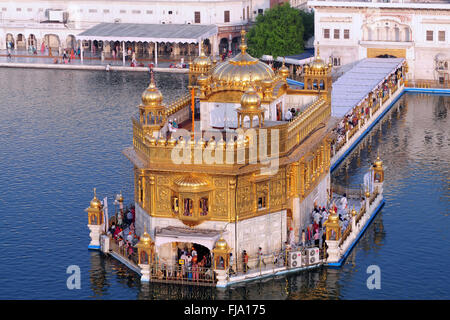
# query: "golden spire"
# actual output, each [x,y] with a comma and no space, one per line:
[152,96]
[95,203]
[243,45]
[284,71]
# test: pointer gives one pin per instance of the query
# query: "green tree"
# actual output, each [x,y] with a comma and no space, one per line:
[308,22]
[280,31]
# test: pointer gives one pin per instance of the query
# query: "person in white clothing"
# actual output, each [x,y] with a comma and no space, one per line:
[344,202]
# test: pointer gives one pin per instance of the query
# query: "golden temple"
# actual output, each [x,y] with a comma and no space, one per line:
[249,168]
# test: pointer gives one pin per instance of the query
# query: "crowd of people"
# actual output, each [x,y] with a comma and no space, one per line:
[123,231]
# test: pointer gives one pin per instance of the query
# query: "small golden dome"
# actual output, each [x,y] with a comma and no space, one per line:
[250,100]
[202,80]
[284,71]
[95,203]
[119,197]
[378,163]
[318,64]
[145,241]
[221,244]
[354,213]
[202,61]
[190,182]
[152,96]
[333,218]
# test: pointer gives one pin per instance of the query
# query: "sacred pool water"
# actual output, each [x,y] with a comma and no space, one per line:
[62,133]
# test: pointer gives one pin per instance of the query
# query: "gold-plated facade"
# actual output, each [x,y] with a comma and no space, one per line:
[232,188]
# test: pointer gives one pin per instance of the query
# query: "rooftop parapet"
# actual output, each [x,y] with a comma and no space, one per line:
[219,148]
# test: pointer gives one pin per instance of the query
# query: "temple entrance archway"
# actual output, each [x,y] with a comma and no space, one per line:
[386,53]
[21,42]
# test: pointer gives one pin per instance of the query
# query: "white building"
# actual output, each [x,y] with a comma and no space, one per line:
[419,31]
[58,22]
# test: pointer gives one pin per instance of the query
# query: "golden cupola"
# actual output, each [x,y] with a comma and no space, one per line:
[250,106]
[236,71]
[202,62]
[201,65]
[95,212]
[152,112]
[284,71]
[318,66]
[378,170]
[95,203]
[152,97]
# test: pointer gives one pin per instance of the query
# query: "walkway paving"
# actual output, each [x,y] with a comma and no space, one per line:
[21,56]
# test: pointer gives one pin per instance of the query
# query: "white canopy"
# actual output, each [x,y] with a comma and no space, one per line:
[356,84]
[205,237]
[182,33]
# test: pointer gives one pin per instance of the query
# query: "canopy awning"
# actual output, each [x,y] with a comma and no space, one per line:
[356,84]
[140,32]
[205,237]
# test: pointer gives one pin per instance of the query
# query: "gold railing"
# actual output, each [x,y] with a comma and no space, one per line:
[347,232]
[307,122]
[362,211]
[240,151]
[122,251]
[428,84]
[178,104]
[373,196]
[180,274]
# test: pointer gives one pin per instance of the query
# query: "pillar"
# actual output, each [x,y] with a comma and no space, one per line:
[123,52]
[81,50]
[156,54]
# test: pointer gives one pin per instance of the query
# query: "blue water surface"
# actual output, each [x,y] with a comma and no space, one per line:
[62,133]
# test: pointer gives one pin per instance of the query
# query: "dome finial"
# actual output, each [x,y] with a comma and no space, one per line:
[243,45]
[152,79]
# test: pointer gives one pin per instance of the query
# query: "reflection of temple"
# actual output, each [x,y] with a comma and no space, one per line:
[248,174]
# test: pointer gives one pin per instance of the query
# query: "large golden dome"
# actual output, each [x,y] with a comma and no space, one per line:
[241,67]
[152,97]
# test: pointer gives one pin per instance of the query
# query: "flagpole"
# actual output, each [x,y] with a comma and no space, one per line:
[193,111]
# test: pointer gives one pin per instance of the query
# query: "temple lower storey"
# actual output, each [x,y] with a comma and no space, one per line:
[232,181]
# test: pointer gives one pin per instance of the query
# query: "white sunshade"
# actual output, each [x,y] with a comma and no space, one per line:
[183,33]
[206,238]
[355,85]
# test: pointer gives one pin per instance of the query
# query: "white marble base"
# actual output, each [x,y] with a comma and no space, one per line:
[96,231]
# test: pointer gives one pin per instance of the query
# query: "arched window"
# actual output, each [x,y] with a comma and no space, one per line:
[203,206]
[262,201]
[175,204]
[188,206]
